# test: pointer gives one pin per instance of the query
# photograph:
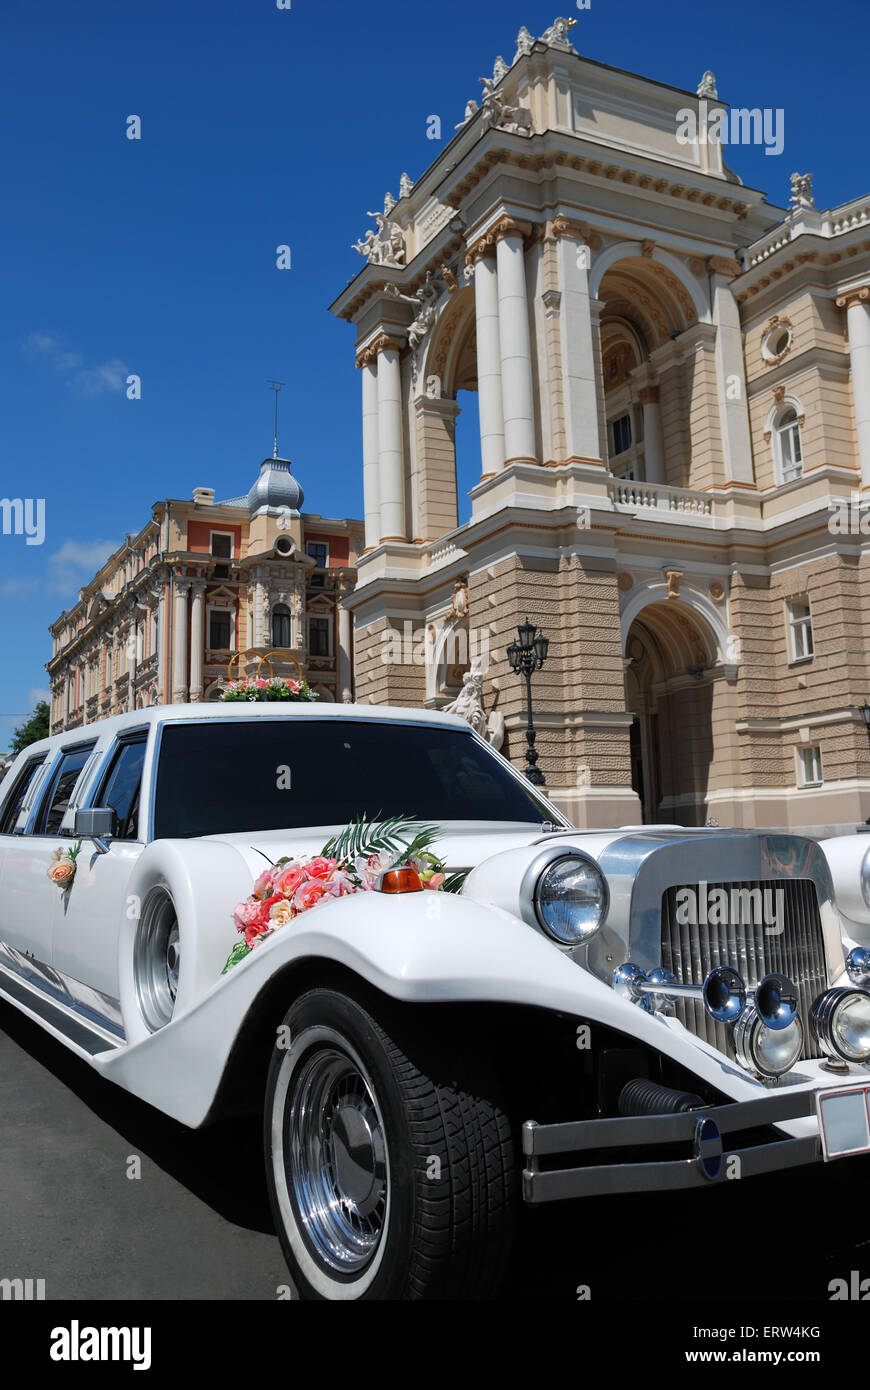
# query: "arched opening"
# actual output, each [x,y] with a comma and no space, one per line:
[448,421]
[670,653]
[645,305]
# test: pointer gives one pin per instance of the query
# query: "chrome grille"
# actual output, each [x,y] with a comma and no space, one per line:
[692,951]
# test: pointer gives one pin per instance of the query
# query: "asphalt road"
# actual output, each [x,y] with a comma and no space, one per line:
[195,1224]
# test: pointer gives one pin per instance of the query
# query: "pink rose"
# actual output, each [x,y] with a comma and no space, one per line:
[289,879]
[320,867]
[432,881]
[309,894]
[260,683]
[263,885]
[245,914]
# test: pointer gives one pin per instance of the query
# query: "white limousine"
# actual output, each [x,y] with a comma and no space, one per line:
[445,1002]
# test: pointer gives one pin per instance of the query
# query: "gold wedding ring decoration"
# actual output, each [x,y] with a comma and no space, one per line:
[283,656]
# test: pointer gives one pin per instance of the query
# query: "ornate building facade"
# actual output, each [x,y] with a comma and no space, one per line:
[252,582]
[673,379]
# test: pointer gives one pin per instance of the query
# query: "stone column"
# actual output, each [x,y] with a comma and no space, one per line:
[579,384]
[345,638]
[391,465]
[367,362]
[730,373]
[653,441]
[490,408]
[162,681]
[179,656]
[857,306]
[515,344]
[197,638]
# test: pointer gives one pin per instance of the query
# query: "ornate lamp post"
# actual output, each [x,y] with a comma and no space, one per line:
[525,656]
[865,715]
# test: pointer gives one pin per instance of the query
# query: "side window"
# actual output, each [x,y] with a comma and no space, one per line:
[13,803]
[56,797]
[121,787]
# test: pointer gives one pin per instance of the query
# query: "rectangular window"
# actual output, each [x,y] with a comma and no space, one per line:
[809,766]
[219,630]
[318,637]
[13,803]
[620,434]
[121,787]
[800,630]
[58,794]
[319,553]
[222,545]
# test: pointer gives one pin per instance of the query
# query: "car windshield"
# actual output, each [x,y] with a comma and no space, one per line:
[217,777]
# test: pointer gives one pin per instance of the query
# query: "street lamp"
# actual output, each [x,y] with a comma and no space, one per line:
[865,715]
[525,656]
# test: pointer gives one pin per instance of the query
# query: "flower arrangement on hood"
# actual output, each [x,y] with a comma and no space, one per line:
[277,688]
[62,870]
[350,862]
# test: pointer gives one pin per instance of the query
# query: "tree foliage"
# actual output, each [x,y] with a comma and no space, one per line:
[33,729]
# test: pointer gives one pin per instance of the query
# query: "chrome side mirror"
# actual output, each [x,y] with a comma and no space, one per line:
[96,823]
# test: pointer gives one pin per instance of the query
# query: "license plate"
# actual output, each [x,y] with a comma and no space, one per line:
[844,1121]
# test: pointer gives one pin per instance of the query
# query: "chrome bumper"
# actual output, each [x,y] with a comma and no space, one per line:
[702,1132]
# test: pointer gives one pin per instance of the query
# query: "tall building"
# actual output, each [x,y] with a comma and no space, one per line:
[250,584]
[673,387]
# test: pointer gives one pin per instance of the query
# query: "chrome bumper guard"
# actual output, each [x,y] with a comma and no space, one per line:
[701,1131]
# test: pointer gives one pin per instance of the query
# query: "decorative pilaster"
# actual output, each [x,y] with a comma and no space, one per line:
[515,343]
[653,442]
[857,305]
[730,373]
[577,348]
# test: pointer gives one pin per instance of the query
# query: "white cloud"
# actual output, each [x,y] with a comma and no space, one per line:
[108,376]
[34,697]
[76,562]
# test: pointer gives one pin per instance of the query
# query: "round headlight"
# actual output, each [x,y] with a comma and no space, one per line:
[841,1022]
[571,900]
[768,1051]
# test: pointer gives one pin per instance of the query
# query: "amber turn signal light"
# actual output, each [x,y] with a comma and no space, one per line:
[402,880]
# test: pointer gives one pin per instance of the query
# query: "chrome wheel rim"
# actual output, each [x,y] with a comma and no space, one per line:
[157,960]
[336,1159]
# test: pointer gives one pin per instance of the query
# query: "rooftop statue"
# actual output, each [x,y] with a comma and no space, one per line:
[525,43]
[707,85]
[802,191]
[557,35]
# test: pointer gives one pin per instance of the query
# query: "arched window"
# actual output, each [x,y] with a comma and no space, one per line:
[788,445]
[281,635]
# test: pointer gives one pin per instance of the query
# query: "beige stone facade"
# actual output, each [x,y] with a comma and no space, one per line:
[249,586]
[673,376]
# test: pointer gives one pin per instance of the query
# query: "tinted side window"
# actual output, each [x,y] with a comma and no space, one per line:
[56,797]
[121,786]
[12,806]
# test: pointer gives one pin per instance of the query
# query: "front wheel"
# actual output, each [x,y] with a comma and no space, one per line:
[389,1158]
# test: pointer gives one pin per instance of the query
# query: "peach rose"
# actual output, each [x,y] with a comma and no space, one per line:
[62,873]
[281,913]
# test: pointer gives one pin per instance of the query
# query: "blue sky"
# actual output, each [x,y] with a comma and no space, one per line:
[263,127]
